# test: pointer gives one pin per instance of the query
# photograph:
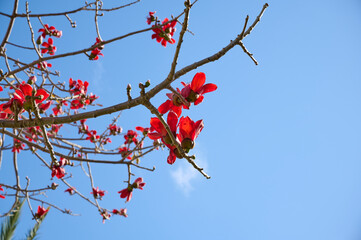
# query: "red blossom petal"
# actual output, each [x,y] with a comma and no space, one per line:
[198,126]
[155,136]
[172,121]
[210,87]
[158,126]
[198,80]
[44,95]
[177,110]
[26,89]
[165,107]
[172,157]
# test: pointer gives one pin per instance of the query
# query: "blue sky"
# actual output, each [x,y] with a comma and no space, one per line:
[281,140]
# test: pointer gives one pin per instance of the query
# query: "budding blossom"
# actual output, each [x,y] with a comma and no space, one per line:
[51,31]
[94,55]
[128,192]
[41,212]
[48,47]
[44,65]
[131,137]
[151,18]
[58,170]
[121,212]
[105,215]
[97,193]
[164,34]
[18,145]
[70,191]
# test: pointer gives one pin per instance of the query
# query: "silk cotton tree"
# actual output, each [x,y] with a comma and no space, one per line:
[36,109]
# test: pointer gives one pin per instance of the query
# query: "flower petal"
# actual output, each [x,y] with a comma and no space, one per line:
[165,107]
[198,80]
[210,87]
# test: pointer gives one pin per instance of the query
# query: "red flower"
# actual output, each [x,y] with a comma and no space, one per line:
[125,152]
[130,137]
[70,191]
[138,183]
[58,170]
[48,47]
[121,212]
[164,33]
[194,91]
[143,130]
[44,106]
[128,192]
[157,129]
[174,104]
[105,215]
[151,18]
[22,98]
[97,193]
[92,136]
[114,129]
[41,212]
[78,87]
[18,145]
[51,31]
[43,65]
[188,132]
[94,55]
[2,190]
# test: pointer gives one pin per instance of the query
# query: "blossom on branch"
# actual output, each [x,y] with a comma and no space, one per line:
[41,212]
[70,191]
[194,91]
[188,132]
[164,34]
[128,192]
[151,18]
[121,212]
[51,31]
[18,145]
[48,47]
[97,193]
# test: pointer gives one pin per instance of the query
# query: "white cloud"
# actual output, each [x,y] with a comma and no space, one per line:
[185,174]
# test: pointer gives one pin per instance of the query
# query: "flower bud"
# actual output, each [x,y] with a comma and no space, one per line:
[32,80]
[187,144]
[193,96]
[39,40]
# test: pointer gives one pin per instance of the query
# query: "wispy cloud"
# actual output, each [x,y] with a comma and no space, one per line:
[98,71]
[185,175]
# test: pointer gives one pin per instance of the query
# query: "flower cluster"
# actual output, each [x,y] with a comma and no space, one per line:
[188,129]
[48,47]
[18,146]
[57,168]
[163,32]
[94,55]
[24,98]
[79,91]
